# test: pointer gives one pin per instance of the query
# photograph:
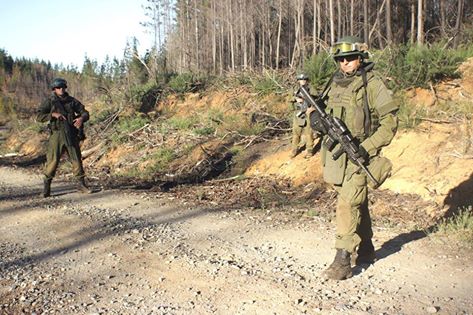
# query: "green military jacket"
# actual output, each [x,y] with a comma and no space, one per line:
[345,101]
[68,106]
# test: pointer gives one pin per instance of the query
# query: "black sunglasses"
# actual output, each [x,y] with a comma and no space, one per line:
[348,58]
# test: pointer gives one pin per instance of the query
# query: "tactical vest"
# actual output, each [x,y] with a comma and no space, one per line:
[351,104]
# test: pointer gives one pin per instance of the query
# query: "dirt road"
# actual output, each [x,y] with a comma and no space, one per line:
[118,252]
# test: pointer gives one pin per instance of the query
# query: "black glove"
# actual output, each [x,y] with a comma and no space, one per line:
[316,123]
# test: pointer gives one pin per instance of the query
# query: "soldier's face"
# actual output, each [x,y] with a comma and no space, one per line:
[349,64]
[302,82]
[59,91]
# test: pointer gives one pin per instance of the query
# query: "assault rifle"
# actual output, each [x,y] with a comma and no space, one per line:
[66,122]
[337,133]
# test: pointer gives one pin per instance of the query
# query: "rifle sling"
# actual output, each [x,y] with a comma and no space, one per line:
[366,108]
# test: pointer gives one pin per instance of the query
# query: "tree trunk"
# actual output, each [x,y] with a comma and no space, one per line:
[389,32]
[231,37]
[332,23]
[245,36]
[420,22]
[197,48]
[458,24]
[297,26]
[339,19]
[443,22]
[314,28]
[214,36]
[413,23]
[319,20]
[302,31]
[378,16]
[278,40]
[352,14]
[366,22]
[222,47]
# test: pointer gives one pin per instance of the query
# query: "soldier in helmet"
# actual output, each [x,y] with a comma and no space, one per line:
[65,116]
[301,125]
[358,97]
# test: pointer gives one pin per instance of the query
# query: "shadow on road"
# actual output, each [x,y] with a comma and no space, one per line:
[395,245]
[102,230]
[35,200]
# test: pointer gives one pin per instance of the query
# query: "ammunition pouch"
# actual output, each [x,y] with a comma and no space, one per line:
[380,167]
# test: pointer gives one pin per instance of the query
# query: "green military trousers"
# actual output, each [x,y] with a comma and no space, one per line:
[56,146]
[298,131]
[352,216]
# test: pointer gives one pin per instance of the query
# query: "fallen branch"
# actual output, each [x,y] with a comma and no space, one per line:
[437,121]
[89,152]
[137,130]
[461,156]
[228,178]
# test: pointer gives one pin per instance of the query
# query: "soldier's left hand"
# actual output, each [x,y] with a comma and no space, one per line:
[78,122]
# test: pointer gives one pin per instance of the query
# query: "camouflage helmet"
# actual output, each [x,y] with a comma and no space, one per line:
[348,46]
[58,83]
[302,76]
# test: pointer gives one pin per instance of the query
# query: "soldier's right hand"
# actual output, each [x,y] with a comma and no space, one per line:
[58,116]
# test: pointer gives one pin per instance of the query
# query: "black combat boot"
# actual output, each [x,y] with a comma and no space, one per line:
[365,253]
[82,186]
[340,269]
[47,187]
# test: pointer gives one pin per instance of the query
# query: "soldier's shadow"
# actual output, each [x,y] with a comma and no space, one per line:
[459,198]
[63,188]
[393,246]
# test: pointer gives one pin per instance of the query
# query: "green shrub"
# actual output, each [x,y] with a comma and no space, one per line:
[409,115]
[161,159]
[269,82]
[235,80]
[188,82]
[242,125]
[215,116]
[243,78]
[451,108]
[127,125]
[7,106]
[180,83]
[130,124]
[459,226]
[143,96]
[36,126]
[182,123]
[204,131]
[418,66]
[319,68]
[101,116]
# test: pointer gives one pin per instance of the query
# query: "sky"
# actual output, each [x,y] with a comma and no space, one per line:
[65,31]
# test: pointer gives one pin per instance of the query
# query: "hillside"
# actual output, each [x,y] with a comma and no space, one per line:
[432,156]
